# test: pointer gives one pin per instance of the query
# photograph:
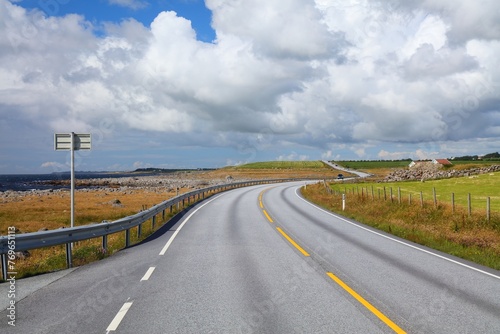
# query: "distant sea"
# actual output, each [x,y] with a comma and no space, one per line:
[27,182]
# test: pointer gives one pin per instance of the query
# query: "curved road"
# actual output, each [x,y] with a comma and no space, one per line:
[353,171]
[263,260]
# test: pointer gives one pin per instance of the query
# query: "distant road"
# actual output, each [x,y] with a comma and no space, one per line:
[263,260]
[353,171]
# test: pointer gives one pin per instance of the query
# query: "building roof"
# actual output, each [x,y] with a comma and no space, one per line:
[444,162]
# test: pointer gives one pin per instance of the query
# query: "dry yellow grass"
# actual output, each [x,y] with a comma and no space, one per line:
[33,212]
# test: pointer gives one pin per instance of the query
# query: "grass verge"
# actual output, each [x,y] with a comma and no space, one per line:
[49,210]
[469,237]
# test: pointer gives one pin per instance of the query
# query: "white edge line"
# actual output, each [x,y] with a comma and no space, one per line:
[396,240]
[119,317]
[169,242]
[148,273]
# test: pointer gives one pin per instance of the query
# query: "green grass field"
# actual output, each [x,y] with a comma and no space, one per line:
[282,165]
[479,186]
[374,164]
[360,164]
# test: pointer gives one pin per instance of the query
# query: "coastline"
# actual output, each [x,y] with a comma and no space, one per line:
[159,183]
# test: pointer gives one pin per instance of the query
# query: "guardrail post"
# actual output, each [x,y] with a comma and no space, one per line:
[4,267]
[127,238]
[139,230]
[69,255]
[163,215]
[153,223]
[105,242]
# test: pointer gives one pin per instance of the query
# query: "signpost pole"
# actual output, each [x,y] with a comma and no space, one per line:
[73,142]
[72,179]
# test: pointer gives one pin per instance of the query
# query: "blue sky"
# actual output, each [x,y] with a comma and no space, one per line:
[187,84]
[99,11]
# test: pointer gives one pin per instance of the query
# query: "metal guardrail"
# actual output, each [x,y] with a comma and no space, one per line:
[11,244]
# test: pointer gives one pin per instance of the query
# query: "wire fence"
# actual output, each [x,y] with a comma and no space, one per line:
[475,205]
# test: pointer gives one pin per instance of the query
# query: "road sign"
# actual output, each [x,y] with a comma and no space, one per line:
[82,141]
[72,142]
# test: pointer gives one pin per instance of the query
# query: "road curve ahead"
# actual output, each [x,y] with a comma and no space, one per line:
[263,260]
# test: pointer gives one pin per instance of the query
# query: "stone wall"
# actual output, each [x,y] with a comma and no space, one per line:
[430,171]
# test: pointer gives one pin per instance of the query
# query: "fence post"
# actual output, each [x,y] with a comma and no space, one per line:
[488,209]
[434,195]
[452,202]
[469,205]
[399,195]
[391,193]
[373,197]
[385,195]
[409,199]
[421,199]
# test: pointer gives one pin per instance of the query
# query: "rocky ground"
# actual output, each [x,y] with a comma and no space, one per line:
[170,182]
[430,171]
[167,183]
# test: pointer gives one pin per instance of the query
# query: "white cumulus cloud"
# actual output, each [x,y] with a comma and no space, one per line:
[280,74]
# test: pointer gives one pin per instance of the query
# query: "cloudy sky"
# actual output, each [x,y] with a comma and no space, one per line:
[192,83]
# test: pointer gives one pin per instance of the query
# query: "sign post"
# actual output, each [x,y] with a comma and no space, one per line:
[73,142]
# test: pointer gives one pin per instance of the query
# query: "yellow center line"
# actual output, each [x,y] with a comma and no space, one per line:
[366,304]
[292,242]
[268,217]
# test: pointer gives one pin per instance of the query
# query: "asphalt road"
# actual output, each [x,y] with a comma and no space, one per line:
[353,171]
[263,260]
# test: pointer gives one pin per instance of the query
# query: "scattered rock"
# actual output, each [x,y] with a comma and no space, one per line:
[22,255]
[116,203]
[430,171]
